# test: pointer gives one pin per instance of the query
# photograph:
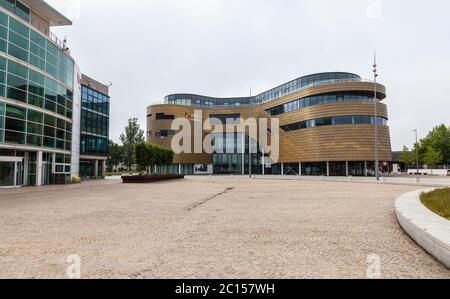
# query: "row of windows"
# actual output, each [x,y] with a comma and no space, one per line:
[275,93]
[26,126]
[22,84]
[94,145]
[303,82]
[17,8]
[232,143]
[333,121]
[95,101]
[201,101]
[94,123]
[32,47]
[319,100]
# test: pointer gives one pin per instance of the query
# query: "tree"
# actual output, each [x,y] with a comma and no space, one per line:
[132,135]
[432,157]
[149,155]
[439,140]
[116,155]
[407,157]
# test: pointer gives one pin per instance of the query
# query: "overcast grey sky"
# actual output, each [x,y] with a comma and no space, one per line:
[151,48]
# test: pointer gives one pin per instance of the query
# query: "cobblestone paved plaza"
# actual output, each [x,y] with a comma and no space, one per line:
[208,228]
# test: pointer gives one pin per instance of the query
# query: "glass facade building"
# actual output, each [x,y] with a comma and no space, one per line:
[36,97]
[40,100]
[94,138]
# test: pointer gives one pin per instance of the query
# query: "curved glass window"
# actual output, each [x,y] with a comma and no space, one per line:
[329,98]
[273,94]
[334,121]
[30,46]
[31,127]
[17,8]
[22,84]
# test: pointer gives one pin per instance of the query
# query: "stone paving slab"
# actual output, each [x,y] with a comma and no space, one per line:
[208,228]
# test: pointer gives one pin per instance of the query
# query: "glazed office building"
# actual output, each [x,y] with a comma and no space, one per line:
[40,97]
[327,127]
[94,128]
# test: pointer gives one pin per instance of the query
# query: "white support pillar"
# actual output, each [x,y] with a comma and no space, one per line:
[39,169]
[328,168]
[365,168]
[243,153]
[263,162]
[300,169]
[346,169]
[282,168]
[26,161]
[96,169]
[103,169]
[179,169]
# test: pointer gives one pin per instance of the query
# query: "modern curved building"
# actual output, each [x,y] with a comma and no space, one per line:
[327,127]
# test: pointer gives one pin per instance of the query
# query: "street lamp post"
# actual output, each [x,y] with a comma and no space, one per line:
[377,161]
[417,151]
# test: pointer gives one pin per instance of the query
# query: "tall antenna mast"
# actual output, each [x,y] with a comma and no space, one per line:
[375,75]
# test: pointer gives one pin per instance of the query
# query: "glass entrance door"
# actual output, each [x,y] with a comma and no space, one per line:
[46,173]
[19,174]
[11,172]
[7,173]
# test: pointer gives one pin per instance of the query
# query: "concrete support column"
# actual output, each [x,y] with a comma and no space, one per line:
[328,168]
[365,168]
[282,168]
[26,161]
[346,169]
[39,168]
[179,169]
[243,153]
[300,169]
[103,169]
[263,163]
[96,169]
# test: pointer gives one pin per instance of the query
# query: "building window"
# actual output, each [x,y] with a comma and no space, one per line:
[337,120]
[162,116]
[221,119]
[166,133]
[319,100]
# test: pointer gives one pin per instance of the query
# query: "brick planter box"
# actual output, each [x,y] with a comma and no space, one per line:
[144,179]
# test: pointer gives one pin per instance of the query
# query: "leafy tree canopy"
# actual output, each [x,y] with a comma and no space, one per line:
[439,141]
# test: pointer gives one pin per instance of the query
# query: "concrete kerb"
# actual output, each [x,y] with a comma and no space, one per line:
[427,229]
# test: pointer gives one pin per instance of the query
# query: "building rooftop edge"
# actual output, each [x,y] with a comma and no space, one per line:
[45,10]
[94,84]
